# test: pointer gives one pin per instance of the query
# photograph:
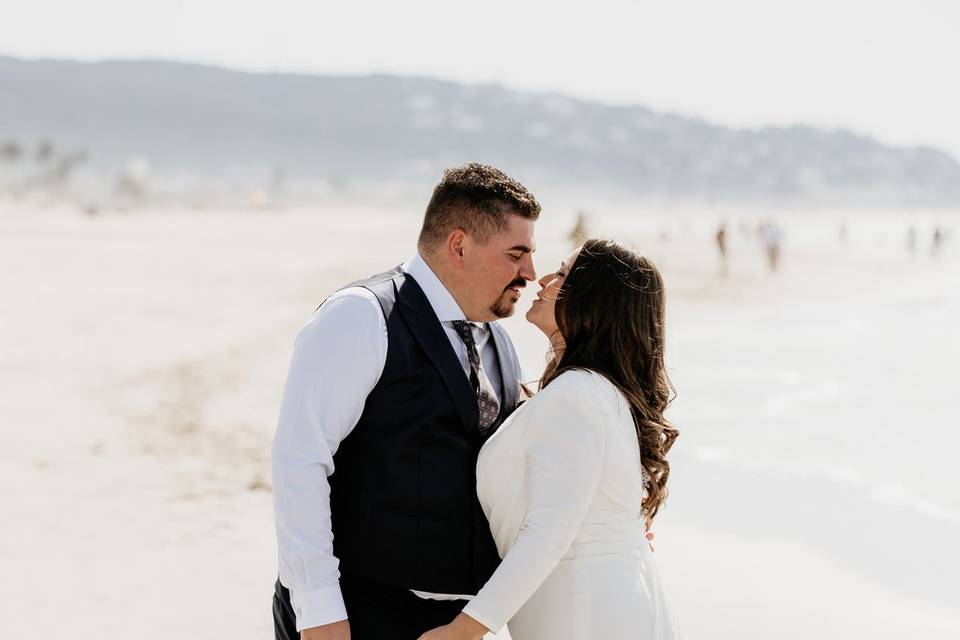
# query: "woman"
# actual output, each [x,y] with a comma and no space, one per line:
[571,480]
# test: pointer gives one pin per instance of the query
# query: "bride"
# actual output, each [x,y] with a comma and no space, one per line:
[571,482]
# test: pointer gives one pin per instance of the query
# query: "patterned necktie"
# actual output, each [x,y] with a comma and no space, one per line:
[486,398]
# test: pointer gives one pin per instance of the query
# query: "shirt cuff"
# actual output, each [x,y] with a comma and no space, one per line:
[482,619]
[318,607]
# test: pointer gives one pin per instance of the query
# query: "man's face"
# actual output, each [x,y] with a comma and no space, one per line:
[498,269]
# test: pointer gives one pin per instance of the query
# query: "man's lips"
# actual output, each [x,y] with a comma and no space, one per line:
[515,287]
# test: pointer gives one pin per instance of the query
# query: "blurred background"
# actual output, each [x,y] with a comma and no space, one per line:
[182,183]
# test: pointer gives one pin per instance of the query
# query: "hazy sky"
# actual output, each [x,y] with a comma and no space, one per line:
[889,68]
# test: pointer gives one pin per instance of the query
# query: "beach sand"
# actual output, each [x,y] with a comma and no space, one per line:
[813,491]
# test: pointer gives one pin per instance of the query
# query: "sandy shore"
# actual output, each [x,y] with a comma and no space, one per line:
[144,357]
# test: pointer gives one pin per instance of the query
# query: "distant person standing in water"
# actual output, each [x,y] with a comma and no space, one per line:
[937,242]
[912,241]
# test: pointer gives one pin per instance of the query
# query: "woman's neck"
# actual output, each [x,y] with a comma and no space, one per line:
[557,345]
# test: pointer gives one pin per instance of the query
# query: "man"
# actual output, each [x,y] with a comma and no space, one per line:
[394,385]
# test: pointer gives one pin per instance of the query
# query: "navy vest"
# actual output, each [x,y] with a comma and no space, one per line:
[403,493]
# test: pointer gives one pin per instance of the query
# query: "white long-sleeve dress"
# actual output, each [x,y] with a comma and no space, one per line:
[561,484]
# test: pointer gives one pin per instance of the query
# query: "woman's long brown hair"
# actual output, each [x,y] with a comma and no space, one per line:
[610,312]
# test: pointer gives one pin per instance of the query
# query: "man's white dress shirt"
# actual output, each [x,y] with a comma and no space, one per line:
[338,359]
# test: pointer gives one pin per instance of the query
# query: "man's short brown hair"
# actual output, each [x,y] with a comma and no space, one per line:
[477,198]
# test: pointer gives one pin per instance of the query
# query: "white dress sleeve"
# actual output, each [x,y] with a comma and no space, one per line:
[564,442]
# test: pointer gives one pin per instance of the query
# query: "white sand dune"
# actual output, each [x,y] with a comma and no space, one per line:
[143,357]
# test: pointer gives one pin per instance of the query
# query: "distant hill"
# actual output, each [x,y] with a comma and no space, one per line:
[200,120]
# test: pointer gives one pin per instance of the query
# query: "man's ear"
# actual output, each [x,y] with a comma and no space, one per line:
[455,245]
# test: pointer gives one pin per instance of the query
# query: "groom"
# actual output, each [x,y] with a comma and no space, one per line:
[395,383]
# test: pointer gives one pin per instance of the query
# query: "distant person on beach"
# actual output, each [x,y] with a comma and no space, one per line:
[579,232]
[772,238]
[936,243]
[721,240]
[396,383]
[912,241]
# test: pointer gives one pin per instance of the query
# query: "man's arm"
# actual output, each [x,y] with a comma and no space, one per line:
[337,360]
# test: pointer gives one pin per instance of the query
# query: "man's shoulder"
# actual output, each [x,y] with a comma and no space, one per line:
[378,282]
[349,316]
[368,292]
[350,307]
[351,295]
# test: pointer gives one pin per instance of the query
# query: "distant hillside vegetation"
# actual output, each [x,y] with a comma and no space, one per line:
[208,121]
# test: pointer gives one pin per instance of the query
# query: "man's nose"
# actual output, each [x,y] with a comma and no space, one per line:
[527,272]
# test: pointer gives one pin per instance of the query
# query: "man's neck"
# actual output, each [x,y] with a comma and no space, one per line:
[448,282]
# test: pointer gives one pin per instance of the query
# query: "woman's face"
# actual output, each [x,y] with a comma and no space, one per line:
[541,313]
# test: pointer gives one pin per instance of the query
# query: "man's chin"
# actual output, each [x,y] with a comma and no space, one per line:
[504,308]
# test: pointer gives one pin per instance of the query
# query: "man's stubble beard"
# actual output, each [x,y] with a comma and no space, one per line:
[503,307]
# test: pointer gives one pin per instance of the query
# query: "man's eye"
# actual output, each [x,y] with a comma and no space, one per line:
[515,256]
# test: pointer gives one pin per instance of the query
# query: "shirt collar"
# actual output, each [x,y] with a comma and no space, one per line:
[439,297]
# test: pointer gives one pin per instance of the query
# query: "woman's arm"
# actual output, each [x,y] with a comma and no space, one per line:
[564,443]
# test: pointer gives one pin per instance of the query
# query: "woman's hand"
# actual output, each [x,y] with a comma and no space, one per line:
[463,627]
